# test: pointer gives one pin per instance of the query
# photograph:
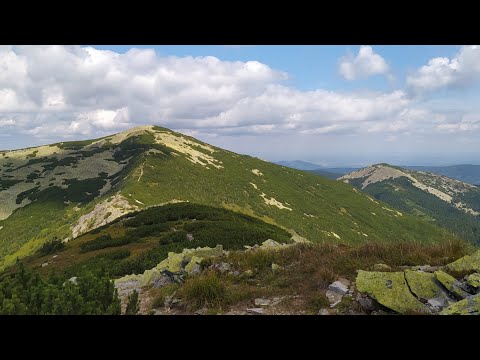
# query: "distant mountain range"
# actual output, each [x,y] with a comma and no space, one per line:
[464,172]
[449,203]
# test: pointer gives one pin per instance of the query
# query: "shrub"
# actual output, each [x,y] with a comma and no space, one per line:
[133,304]
[52,247]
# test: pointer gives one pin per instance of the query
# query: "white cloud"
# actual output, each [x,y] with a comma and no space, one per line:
[441,72]
[64,92]
[365,64]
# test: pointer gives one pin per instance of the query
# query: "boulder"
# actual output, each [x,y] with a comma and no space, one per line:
[381,267]
[262,302]
[223,267]
[467,306]
[333,297]
[466,263]
[323,312]
[424,285]
[193,264]
[473,280]
[256,311]
[338,287]
[437,304]
[161,281]
[454,286]
[389,289]
[366,302]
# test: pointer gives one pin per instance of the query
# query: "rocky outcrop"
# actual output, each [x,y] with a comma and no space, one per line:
[174,266]
[468,306]
[424,288]
[466,263]
[390,289]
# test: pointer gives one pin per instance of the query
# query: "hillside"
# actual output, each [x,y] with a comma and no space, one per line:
[449,203]
[463,172]
[64,190]
[327,174]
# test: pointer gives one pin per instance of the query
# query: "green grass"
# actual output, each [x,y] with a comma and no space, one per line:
[320,207]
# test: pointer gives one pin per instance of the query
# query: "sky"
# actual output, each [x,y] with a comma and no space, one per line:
[331,105]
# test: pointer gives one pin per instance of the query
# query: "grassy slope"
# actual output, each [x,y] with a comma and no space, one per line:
[402,195]
[331,206]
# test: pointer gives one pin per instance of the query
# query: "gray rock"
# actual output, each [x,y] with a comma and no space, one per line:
[54,256]
[333,297]
[44,264]
[235,273]
[190,237]
[256,311]
[338,287]
[262,302]
[437,304]
[196,270]
[367,303]
[223,267]
[323,312]
[202,311]
[161,281]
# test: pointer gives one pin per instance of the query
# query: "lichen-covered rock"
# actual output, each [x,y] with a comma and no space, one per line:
[467,306]
[390,290]
[466,263]
[195,260]
[423,285]
[451,284]
[473,280]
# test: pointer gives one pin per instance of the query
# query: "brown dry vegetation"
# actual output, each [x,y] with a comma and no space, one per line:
[307,271]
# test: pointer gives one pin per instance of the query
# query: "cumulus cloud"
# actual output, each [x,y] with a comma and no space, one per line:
[364,65]
[442,72]
[64,92]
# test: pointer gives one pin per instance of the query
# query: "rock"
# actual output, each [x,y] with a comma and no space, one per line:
[424,285]
[277,300]
[333,297]
[162,281]
[437,304]
[276,267]
[190,237]
[466,263]
[473,280]
[44,264]
[223,267]
[262,302]
[426,268]
[193,265]
[366,302]
[248,273]
[454,286]
[73,280]
[323,312]
[381,267]
[467,306]
[390,290]
[338,287]
[235,273]
[256,311]
[195,270]
[202,311]
[54,256]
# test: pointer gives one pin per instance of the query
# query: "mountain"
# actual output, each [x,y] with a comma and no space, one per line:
[464,172]
[446,202]
[299,165]
[63,190]
[320,170]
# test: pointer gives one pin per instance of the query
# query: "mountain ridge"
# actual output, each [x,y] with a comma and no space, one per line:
[50,190]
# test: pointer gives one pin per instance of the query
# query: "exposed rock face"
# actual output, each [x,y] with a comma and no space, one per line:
[473,280]
[103,213]
[451,284]
[466,263]
[390,289]
[467,306]
[187,262]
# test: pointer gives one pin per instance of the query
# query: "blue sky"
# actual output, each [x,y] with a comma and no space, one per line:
[332,105]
